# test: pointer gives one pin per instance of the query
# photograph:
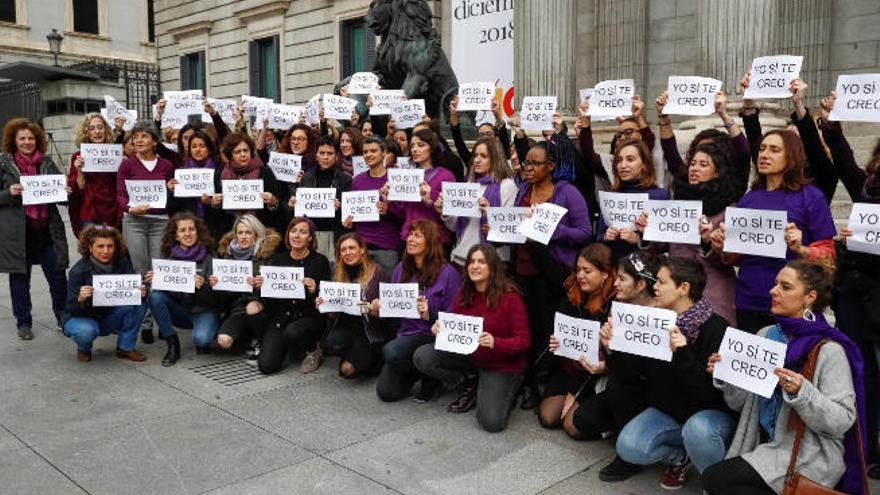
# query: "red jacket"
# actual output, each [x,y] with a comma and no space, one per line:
[509,324]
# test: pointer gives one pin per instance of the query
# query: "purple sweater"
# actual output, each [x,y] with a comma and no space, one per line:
[440,297]
[385,233]
[410,212]
[807,209]
[574,230]
[133,169]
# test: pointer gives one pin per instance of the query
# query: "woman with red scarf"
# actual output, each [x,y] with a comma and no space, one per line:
[29,234]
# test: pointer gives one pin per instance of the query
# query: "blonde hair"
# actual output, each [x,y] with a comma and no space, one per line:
[255,226]
[369,266]
[82,130]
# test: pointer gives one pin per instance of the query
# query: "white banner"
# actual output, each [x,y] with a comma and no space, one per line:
[193,182]
[858,98]
[536,113]
[542,224]
[43,189]
[403,184]
[621,210]
[116,290]
[315,202]
[147,192]
[674,221]
[232,275]
[612,98]
[360,205]
[476,96]
[383,99]
[363,83]
[458,333]
[755,232]
[174,276]
[503,223]
[691,95]
[642,330]
[864,220]
[577,337]
[338,107]
[407,113]
[461,199]
[771,76]
[101,157]
[286,167]
[340,297]
[398,300]
[282,282]
[242,194]
[747,361]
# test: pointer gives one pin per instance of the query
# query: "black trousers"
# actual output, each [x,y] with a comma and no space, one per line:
[242,327]
[541,301]
[352,345]
[609,410]
[734,477]
[297,338]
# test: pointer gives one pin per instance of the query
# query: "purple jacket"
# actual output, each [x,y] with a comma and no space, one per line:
[440,297]
[385,233]
[574,230]
[133,169]
[411,212]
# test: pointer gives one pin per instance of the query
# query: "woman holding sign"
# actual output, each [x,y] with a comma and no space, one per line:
[103,253]
[300,140]
[202,154]
[829,405]
[382,237]
[93,194]
[351,144]
[32,234]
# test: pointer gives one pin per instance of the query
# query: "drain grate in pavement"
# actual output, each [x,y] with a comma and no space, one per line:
[232,372]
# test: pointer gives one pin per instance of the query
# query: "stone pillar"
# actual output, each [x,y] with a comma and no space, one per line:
[544,50]
[805,29]
[621,35]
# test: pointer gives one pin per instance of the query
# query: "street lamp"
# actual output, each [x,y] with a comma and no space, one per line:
[55,38]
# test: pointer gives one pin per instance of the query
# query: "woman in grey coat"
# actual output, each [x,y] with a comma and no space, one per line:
[829,404]
[31,234]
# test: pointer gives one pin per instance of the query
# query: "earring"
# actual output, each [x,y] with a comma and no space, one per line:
[808,314]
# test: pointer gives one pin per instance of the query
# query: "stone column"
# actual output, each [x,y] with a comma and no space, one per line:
[621,35]
[544,54]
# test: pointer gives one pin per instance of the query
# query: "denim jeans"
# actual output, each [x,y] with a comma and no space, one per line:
[169,313]
[398,372]
[143,238]
[20,285]
[653,437]
[125,321]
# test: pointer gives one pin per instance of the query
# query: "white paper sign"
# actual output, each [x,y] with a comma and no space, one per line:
[403,184]
[224,108]
[146,192]
[171,146]
[382,100]
[612,98]
[339,297]
[130,119]
[183,103]
[398,300]
[621,210]
[577,337]
[43,189]
[286,167]
[674,221]
[772,76]
[174,276]
[858,98]
[360,205]
[691,95]
[315,202]
[542,224]
[242,194]
[101,157]
[232,275]
[755,232]
[476,96]
[338,107]
[504,222]
[585,96]
[116,290]
[865,224]
[312,110]
[358,165]
[254,104]
[280,116]
[174,122]
[193,182]
[282,282]
[363,83]
[458,333]
[642,330]
[461,199]
[407,113]
[747,361]
[404,162]
[536,113]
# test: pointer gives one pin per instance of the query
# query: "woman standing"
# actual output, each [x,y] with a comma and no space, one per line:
[93,194]
[202,153]
[351,143]
[31,234]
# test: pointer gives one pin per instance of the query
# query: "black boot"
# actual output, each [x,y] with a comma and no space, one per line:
[173,354]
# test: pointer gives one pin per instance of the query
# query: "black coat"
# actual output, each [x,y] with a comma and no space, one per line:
[220,221]
[81,274]
[283,311]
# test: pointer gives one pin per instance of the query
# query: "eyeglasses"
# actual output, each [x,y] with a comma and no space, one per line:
[298,139]
[533,163]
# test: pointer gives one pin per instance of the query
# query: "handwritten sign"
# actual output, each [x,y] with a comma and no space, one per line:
[585,95]
[338,107]
[146,192]
[363,83]
[232,275]
[360,205]
[612,98]
[772,76]
[116,109]
[577,337]
[174,122]
[674,221]
[254,104]
[642,330]
[183,103]
[858,98]
[101,157]
[536,113]
[461,199]
[383,99]
[116,290]
[403,184]
[340,297]
[475,96]
[503,223]
[747,361]
[691,95]
[282,282]
[174,276]
[407,113]
[755,232]
[286,167]
[404,162]
[242,194]
[315,202]
[43,189]
[358,165]
[225,109]
[621,210]
[130,117]
[171,146]
[280,116]
[864,220]
[398,300]
[193,182]
[458,333]
[542,224]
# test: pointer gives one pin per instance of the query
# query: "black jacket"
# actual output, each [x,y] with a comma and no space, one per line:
[81,274]
[221,220]
[283,311]
[316,177]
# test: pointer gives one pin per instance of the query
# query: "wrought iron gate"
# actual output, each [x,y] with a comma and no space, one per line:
[19,99]
[141,81]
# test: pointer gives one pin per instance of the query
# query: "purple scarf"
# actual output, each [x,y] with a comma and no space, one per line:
[196,252]
[802,336]
[208,163]
[492,193]
[37,215]
[690,321]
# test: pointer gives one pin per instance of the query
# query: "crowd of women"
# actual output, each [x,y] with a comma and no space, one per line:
[674,413]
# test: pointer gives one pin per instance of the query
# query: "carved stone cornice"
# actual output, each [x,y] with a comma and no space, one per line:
[257,9]
[192,29]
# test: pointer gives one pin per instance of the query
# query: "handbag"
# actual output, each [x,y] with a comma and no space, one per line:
[796,483]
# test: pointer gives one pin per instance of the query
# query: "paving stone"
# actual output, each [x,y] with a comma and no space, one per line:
[23,472]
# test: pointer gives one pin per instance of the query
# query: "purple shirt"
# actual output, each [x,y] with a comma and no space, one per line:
[133,169]
[385,233]
[440,297]
[574,230]
[416,211]
[809,211]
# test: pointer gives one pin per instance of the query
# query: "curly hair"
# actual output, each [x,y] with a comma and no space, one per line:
[10,130]
[82,130]
[169,235]
[233,140]
[91,233]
